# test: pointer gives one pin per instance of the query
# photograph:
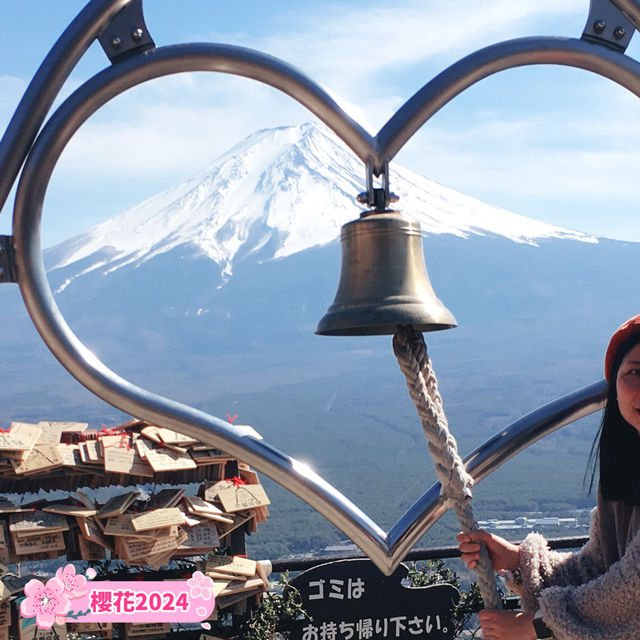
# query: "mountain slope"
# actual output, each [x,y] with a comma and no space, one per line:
[209,294]
[279,192]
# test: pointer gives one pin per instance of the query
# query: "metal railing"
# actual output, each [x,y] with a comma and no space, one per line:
[425,553]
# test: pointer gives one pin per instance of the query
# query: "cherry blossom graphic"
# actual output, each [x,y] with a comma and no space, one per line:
[91,573]
[200,586]
[46,602]
[75,586]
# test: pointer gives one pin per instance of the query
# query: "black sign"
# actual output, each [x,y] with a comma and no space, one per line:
[353,600]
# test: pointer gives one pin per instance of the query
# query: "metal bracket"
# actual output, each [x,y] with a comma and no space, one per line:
[607,25]
[7,264]
[374,197]
[126,34]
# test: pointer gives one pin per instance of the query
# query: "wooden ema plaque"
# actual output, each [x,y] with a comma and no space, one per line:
[231,566]
[5,613]
[121,457]
[32,632]
[20,437]
[168,460]
[145,629]
[4,542]
[117,505]
[200,539]
[34,522]
[97,629]
[121,526]
[92,532]
[203,509]
[156,519]
[71,456]
[40,457]
[90,550]
[40,543]
[239,498]
[235,579]
[139,531]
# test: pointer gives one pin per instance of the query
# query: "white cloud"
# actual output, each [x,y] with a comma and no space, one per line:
[375,56]
[175,126]
[566,172]
[347,46]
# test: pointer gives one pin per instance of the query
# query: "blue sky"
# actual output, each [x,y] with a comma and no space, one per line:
[556,144]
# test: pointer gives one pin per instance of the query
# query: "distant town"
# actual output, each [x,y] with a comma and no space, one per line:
[532,522]
[523,522]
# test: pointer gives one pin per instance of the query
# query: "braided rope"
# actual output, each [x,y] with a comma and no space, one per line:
[411,352]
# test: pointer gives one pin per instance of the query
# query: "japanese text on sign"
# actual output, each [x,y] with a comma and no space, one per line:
[352,600]
[354,589]
[366,628]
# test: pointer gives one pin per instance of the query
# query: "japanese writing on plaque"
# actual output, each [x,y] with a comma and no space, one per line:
[353,600]
[365,628]
[354,588]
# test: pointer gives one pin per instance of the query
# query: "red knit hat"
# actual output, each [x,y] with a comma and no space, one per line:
[624,331]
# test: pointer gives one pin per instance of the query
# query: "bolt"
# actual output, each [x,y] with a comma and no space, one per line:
[599,25]
[618,33]
[116,42]
[137,34]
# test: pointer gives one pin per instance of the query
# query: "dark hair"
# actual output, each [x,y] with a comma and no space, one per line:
[617,444]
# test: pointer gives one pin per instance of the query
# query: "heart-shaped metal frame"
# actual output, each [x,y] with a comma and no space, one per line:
[386,550]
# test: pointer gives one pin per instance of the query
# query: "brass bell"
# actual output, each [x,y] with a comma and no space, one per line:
[383,280]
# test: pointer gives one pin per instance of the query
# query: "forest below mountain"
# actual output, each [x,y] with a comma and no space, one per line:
[533,325]
[367,441]
[361,432]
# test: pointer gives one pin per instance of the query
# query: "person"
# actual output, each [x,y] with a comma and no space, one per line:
[593,594]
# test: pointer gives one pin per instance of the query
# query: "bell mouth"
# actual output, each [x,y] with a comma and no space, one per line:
[383,281]
[381,319]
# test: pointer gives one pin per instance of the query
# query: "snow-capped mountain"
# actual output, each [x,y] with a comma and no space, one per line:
[277,193]
[209,293]
[214,288]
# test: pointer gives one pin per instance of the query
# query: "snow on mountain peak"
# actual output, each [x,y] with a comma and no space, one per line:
[278,192]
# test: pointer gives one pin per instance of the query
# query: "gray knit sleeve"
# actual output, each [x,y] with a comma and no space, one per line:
[540,567]
[604,607]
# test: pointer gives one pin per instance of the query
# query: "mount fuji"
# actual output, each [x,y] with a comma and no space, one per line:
[241,261]
[277,193]
[210,292]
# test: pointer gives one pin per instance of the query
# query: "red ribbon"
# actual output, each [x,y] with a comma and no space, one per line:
[5,430]
[91,434]
[124,441]
[237,482]
[109,432]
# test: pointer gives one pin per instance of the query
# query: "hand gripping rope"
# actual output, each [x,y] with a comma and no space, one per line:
[411,352]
